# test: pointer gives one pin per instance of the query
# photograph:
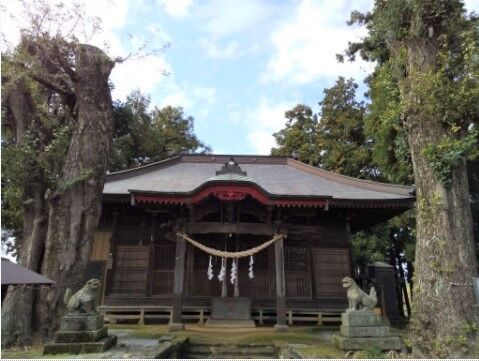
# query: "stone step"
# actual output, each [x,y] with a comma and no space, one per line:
[231,350]
[365,343]
[365,331]
[230,323]
[80,347]
[224,343]
[208,349]
[229,356]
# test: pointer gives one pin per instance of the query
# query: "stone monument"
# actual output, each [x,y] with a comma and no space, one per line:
[230,312]
[361,329]
[81,329]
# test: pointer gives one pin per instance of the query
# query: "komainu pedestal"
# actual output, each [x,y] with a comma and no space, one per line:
[82,329]
[81,333]
[362,330]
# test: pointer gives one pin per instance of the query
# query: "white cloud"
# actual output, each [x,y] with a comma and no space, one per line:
[144,74]
[262,121]
[215,51]
[232,27]
[261,141]
[307,44]
[176,8]
[229,17]
[199,97]
[472,5]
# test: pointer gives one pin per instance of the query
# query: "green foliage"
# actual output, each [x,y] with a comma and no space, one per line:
[341,141]
[298,138]
[334,139]
[144,136]
[383,124]
[426,86]
[345,139]
[375,244]
[447,153]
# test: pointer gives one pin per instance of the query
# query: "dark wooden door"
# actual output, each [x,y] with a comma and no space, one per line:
[297,272]
[163,269]
[330,266]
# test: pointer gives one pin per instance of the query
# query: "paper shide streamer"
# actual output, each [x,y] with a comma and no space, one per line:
[250,269]
[234,270]
[222,274]
[210,270]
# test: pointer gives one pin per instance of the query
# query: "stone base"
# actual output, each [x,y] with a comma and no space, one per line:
[365,343]
[176,327]
[81,336]
[231,308]
[364,331]
[361,319]
[281,328]
[81,322]
[80,347]
[230,323]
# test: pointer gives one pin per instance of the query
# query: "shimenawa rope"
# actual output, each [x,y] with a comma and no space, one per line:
[224,254]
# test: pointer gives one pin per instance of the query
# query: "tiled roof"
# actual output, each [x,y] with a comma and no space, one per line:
[14,274]
[277,176]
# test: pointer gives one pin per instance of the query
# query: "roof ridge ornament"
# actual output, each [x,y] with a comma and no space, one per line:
[231,167]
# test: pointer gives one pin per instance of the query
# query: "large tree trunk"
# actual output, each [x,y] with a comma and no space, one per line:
[74,209]
[18,304]
[444,311]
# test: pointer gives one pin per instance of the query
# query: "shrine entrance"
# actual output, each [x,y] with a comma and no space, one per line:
[257,284]
[230,309]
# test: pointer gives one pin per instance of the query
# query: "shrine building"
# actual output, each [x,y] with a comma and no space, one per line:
[236,238]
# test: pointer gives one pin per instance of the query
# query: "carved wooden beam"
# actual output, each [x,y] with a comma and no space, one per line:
[218,227]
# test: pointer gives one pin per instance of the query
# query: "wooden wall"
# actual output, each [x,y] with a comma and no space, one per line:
[143,265]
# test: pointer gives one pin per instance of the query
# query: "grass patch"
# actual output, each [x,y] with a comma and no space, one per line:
[303,335]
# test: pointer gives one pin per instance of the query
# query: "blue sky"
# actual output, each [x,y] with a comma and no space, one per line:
[235,66]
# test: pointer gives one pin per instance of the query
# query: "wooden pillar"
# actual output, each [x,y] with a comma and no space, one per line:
[190,269]
[224,283]
[151,263]
[312,277]
[112,254]
[280,287]
[236,288]
[176,318]
[349,238]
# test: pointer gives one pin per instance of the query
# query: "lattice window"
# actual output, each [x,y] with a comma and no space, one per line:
[296,259]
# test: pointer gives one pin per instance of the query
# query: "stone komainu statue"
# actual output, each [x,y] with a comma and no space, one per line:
[357,298]
[85,300]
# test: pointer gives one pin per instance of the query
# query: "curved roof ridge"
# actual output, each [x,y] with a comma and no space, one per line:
[344,179]
[164,162]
